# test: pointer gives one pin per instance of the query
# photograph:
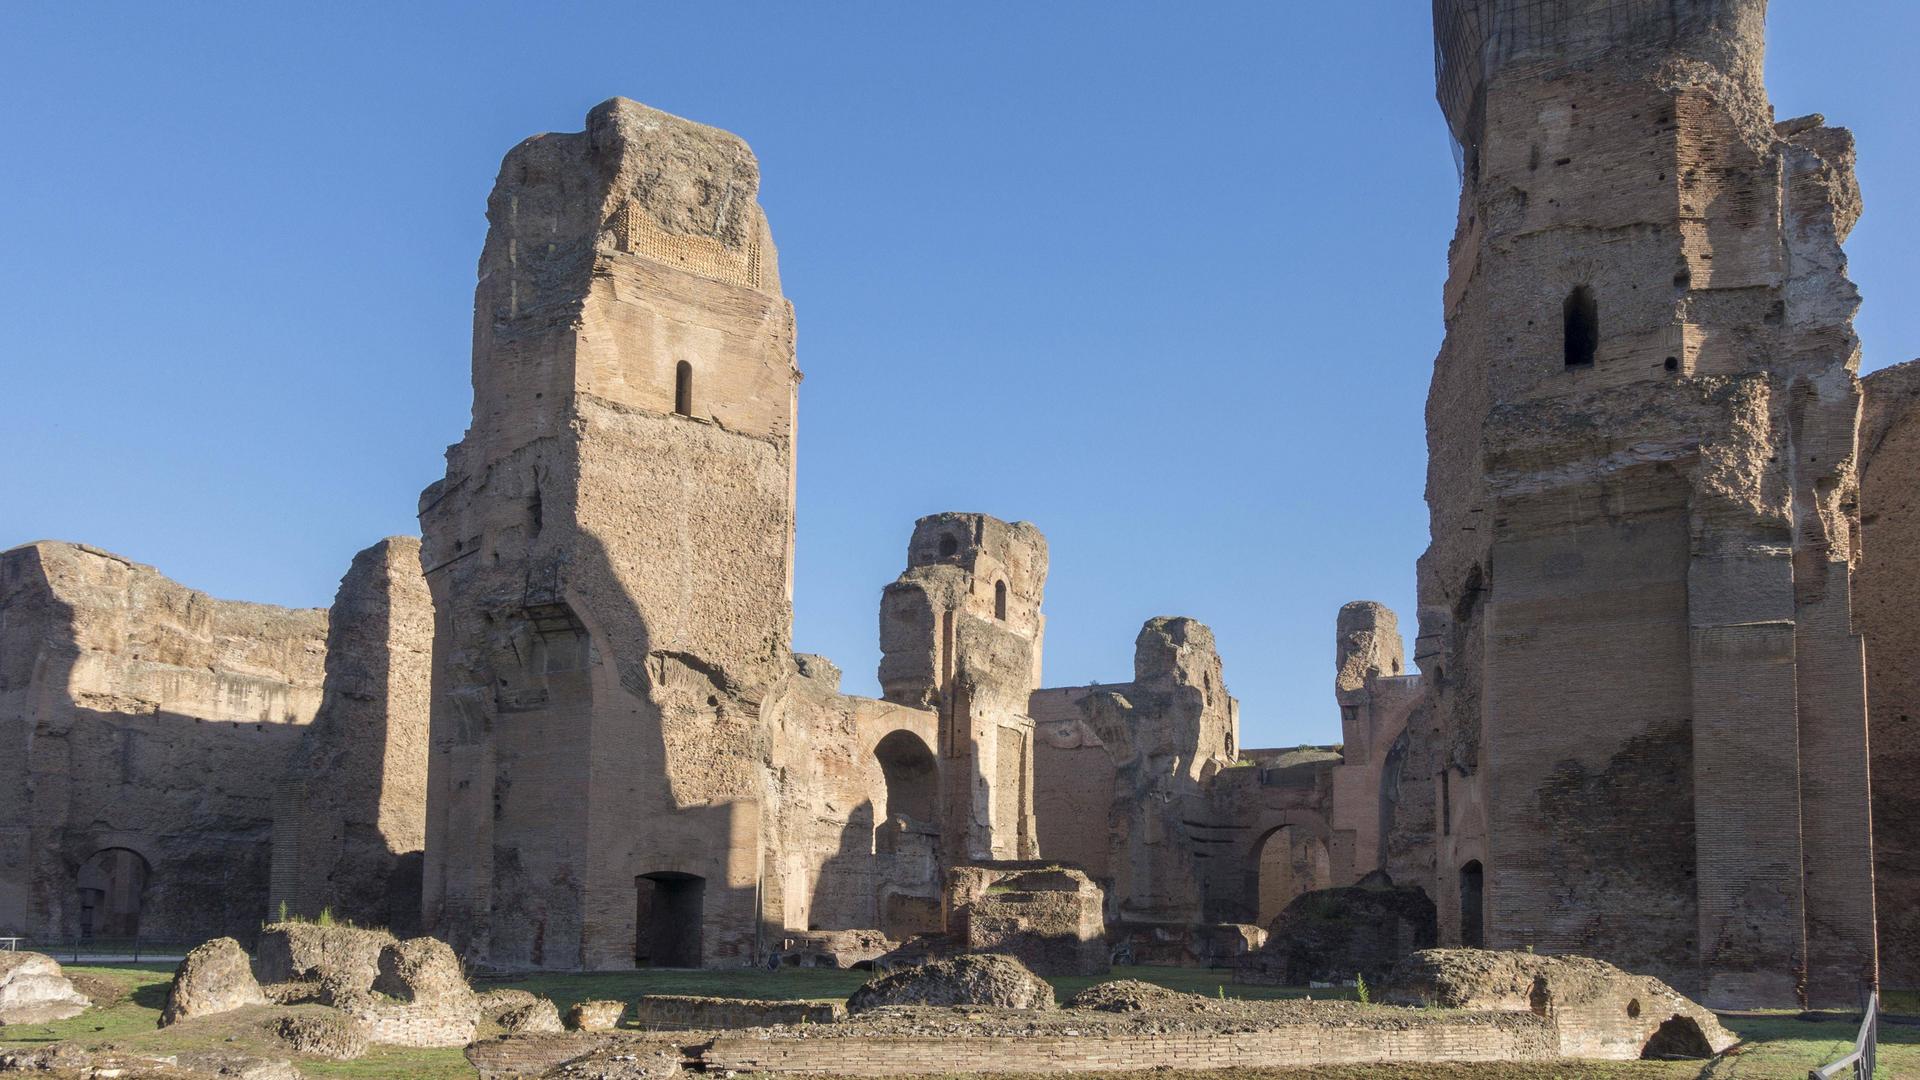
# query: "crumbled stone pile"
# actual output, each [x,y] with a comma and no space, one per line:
[986,980]
[1598,1010]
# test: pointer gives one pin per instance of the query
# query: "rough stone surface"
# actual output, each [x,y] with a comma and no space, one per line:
[328,1035]
[494,1004]
[1886,599]
[309,955]
[1599,1010]
[214,978]
[1644,731]
[350,810]
[989,980]
[1333,935]
[539,1017]
[1050,918]
[1132,995]
[422,970]
[33,990]
[142,727]
[595,1015]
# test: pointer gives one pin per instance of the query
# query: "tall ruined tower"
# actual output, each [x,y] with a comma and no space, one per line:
[1646,717]
[961,633]
[610,557]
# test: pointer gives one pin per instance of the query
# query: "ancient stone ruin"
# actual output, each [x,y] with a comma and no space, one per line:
[1645,718]
[1667,599]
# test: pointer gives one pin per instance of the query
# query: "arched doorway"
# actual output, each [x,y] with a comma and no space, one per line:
[912,783]
[1473,927]
[668,919]
[1292,860]
[112,883]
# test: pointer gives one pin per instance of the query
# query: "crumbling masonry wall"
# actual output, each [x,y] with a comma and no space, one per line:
[1645,719]
[350,814]
[143,726]
[1887,607]
[1123,771]
[609,556]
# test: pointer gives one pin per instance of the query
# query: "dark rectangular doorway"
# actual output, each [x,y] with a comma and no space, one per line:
[667,920]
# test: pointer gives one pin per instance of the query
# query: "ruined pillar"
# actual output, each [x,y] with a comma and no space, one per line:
[610,558]
[961,633]
[1647,716]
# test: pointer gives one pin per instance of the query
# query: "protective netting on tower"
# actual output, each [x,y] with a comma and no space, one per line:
[1473,39]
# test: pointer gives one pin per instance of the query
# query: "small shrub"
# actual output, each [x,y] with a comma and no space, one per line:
[326,917]
[1360,990]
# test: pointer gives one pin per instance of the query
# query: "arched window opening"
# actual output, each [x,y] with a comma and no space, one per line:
[1473,931]
[1000,600]
[112,885]
[668,918]
[949,547]
[1580,322]
[683,388]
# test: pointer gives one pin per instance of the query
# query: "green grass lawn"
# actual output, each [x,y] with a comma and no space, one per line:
[1774,1045]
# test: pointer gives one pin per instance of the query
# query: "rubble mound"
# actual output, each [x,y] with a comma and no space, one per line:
[494,1004]
[987,979]
[1598,1009]
[1132,995]
[33,990]
[310,954]
[1331,935]
[596,1015]
[214,978]
[327,1035]
[837,948]
[538,1017]
[421,970]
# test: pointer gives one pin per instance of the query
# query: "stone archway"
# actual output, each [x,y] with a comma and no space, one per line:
[1288,860]
[112,885]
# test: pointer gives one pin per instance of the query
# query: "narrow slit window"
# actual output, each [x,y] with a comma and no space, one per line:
[1580,319]
[683,388]
[1000,600]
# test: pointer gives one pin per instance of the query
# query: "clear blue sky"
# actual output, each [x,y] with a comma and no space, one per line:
[1162,279]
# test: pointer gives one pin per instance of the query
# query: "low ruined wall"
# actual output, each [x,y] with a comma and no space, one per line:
[1465,1039]
[685,1012]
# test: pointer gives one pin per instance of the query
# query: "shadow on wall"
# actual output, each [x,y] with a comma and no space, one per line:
[150,825]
